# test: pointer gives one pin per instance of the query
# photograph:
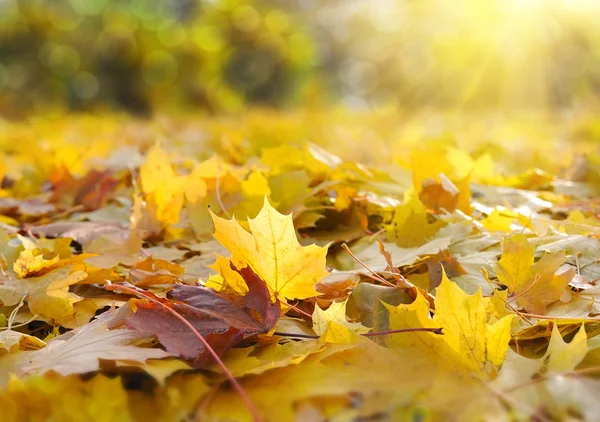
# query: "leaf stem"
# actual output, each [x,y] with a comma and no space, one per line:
[236,385]
[405,330]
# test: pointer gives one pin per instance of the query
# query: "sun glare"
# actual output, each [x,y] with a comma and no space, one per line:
[527,4]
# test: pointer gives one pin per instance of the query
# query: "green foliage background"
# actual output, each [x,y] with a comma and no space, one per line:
[223,55]
[148,54]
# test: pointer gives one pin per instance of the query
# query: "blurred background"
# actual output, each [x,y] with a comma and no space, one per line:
[223,56]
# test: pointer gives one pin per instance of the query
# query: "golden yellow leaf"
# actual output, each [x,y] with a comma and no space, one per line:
[563,356]
[335,313]
[28,263]
[194,186]
[256,185]
[515,264]
[47,295]
[468,339]
[503,220]
[156,170]
[231,278]
[50,397]
[165,190]
[272,250]
[534,285]
[410,226]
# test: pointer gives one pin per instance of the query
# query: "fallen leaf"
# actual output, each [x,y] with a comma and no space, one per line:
[79,351]
[223,320]
[535,286]
[411,227]
[29,264]
[272,250]
[468,340]
[47,295]
[335,313]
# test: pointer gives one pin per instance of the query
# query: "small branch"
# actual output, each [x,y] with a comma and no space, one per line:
[506,304]
[236,385]
[543,378]
[377,276]
[218,191]
[295,308]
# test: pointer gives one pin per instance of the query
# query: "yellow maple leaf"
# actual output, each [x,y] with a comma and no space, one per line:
[165,190]
[336,312]
[229,277]
[468,340]
[47,295]
[27,263]
[272,250]
[561,356]
[410,226]
[534,285]
[505,220]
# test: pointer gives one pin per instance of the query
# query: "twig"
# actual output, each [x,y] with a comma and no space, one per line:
[535,280]
[218,191]
[300,311]
[542,378]
[515,310]
[236,385]
[377,276]
[502,395]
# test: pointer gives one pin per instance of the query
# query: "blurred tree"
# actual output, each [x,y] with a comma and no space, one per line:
[143,55]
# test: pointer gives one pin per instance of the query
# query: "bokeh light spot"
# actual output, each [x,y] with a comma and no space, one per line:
[159,68]
[208,38]
[171,34]
[89,7]
[86,85]
[245,18]
[277,21]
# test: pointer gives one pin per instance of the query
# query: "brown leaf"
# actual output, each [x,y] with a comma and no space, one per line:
[223,320]
[83,232]
[91,191]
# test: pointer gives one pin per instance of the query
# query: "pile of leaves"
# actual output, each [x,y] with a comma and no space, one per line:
[212,271]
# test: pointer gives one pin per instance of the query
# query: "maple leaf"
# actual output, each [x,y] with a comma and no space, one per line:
[47,295]
[91,191]
[410,226]
[223,319]
[27,263]
[165,189]
[468,339]
[272,250]
[336,313]
[443,195]
[534,285]
[562,356]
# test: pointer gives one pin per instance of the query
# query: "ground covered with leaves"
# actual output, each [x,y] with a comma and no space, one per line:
[301,266]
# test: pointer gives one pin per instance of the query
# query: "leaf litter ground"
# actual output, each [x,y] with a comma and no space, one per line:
[281,267]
